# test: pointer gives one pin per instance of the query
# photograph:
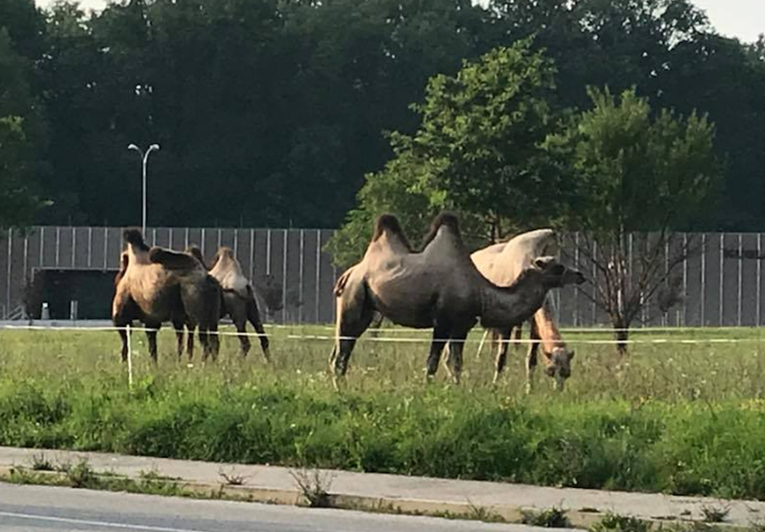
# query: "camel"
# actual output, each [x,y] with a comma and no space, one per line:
[502,264]
[238,297]
[156,285]
[438,288]
[130,312]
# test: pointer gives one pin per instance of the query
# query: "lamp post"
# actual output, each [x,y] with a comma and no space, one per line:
[144,160]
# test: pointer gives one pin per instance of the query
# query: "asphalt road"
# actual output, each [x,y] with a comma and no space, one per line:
[42,508]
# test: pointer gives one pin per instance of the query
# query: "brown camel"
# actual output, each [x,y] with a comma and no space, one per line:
[502,264]
[130,312]
[438,288]
[156,285]
[238,297]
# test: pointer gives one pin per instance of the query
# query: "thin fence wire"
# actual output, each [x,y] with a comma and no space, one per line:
[672,339]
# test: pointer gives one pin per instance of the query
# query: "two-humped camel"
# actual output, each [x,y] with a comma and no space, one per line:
[155,285]
[238,297]
[502,264]
[438,288]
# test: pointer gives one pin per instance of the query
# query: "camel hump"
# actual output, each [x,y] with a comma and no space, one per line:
[388,223]
[135,238]
[173,260]
[195,252]
[444,219]
[225,258]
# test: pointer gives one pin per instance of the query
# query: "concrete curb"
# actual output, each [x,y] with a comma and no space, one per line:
[290,494]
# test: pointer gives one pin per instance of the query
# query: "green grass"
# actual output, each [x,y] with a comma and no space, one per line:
[680,418]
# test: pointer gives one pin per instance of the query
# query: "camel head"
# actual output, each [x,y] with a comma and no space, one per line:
[558,365]
[134,239]
[555,274]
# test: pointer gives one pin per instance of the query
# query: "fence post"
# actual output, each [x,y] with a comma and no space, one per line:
[703,279]
[318,276]
[300,276]
[722,280]
[284,277]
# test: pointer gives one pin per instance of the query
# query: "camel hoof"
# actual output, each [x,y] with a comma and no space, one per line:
[267,355]
[529,388]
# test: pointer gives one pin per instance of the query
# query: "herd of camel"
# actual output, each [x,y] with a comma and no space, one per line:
[439,286]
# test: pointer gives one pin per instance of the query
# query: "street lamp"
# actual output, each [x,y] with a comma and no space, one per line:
[144,160]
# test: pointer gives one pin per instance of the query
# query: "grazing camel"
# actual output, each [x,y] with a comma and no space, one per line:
[156,285]
[438,288]
[238,297]
[502,264]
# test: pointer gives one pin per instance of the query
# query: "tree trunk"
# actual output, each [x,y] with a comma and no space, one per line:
[621,335]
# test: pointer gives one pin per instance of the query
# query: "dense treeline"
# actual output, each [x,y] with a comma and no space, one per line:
[271,112]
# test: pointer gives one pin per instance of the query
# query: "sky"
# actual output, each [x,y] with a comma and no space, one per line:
[744,19]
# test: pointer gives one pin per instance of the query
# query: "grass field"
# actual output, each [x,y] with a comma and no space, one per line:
[686,418]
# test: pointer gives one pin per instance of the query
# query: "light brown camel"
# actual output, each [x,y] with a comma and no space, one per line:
[238,297]
[156,285]
[438,288]
[502,264]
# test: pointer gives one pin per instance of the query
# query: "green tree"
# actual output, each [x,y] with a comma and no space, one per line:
[478,151]
[635,171]
[21,131]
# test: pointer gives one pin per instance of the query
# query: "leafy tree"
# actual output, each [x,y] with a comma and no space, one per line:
[21,133]
[635,171]
[478,150]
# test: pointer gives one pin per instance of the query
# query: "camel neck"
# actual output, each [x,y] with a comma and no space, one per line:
[508,307]
[547,330]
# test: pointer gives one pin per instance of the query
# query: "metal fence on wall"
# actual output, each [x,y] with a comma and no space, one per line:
[721,286]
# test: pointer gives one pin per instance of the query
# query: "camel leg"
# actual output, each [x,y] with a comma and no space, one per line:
[253,315]
[456,347]
[448,361]
[436,347]
[244,341]
[124,338]
[483,341]
[208,337]
[377,320]
[517,336]
[151,335]
[343,355]
[501,360]
[214,340]
[178,326]
[531,357]
[190,340]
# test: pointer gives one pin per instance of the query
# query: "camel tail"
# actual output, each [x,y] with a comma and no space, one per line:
[135,238]
[341,282]
[173,260]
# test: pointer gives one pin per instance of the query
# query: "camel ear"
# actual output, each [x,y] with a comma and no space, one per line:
[541,263]
[571,355]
